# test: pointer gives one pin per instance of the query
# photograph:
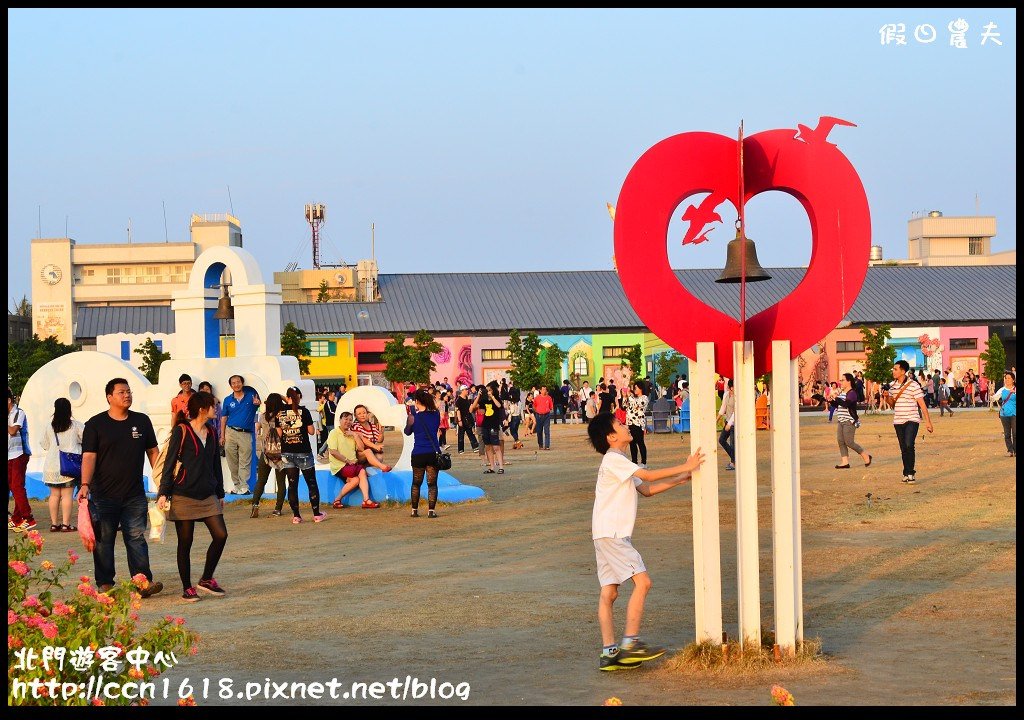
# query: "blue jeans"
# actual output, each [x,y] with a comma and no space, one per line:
[727,439]
[543,430]
[107,514]
[906,434]
[513,426]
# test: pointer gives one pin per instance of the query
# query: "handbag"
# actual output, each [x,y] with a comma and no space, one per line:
[158,466]
[70,463]
[442,459]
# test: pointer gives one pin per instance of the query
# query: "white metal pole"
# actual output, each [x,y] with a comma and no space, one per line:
[794,374]
[707,562]
[749,592]
[785,492]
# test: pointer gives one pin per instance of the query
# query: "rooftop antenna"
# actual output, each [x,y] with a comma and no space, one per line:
[315,217]
[129,231]
[39,227]
[976,211]
[372,244]
[230,203]
[65,226]
[165,221]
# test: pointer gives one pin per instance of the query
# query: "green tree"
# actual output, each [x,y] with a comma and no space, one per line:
[524,355]
[27,356]
[293,342]
[396,359]
[152,358]
[410,363]
[421,364]
[880,356]
[668,366]
[994,358]
[22,308]
[324,295]
[634,359]
[551,375]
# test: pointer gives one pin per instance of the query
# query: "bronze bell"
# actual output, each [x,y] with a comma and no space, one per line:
[734,264]
[224,309]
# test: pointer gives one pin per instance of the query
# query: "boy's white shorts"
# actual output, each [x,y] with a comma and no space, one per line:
[617,560]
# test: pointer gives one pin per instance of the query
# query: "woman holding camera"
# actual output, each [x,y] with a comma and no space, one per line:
[422,424]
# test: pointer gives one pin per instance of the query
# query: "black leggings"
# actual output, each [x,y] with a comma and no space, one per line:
[442,436]
[417,480]
[309,474]
[637,442]
[185,530]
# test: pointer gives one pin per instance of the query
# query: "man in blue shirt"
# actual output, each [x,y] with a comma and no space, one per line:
[237,423]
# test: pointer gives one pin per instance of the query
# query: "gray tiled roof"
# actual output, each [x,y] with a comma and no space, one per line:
[556,302]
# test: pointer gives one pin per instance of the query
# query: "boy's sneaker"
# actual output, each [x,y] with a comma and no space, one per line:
[911,480]
[190,595]
[905,480]
[610,663]
[211,587]
[639,652]
[25,526]
[730,466]
[276,513]
[320,517]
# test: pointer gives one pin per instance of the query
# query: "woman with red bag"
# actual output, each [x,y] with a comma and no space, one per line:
[343,447]
[195,481]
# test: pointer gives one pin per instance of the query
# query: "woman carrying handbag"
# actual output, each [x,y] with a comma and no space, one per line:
[63,437]
[423,423]
[197,488]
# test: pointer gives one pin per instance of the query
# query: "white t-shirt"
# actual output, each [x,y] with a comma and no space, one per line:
[14,446]
[615,498]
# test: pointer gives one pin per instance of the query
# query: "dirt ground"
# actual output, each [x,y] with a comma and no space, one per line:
[914,600]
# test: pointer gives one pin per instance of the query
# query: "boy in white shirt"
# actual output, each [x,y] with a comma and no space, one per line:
[615,503]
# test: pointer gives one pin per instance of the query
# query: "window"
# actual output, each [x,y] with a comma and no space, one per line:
[975,246]
[126,350]
[159,345]
[849,346]
[495,355]
[579,365]
[616,351]
[963,343]
[371,358]
[320,348]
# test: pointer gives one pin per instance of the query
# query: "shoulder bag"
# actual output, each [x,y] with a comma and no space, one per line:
[70,463]
[443,459]
[891,401]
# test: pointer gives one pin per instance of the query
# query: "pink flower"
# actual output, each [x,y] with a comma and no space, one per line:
[60,608]
[49,630]
[133,616]
[46,565]
[97,701]
[140,581]
[73,555]
[18,566]
[84,578]
[104,599]
[87,590]
[12,617]
[179,621]
[13,642]
[30,602]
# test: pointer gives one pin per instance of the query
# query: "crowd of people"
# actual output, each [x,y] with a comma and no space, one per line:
[289,440]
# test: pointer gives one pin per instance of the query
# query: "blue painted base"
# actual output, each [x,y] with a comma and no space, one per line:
[395,485]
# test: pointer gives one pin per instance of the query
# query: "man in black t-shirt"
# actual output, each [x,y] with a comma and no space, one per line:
[466,420]
[114,445]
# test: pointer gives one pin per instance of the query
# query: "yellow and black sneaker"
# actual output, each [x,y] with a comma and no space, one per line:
[639,652]
[614,662]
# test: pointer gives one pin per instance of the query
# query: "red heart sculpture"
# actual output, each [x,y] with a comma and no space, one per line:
[814,171]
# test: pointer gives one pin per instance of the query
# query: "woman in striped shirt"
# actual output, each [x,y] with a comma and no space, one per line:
[846,408]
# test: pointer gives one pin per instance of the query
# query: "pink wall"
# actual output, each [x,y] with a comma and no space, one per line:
[968,358]
[454,362]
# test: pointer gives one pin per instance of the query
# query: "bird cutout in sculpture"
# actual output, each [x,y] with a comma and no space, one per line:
[611,211]
[820,133]
[700,216]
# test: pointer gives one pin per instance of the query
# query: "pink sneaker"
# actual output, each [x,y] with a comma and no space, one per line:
[296,520]
[320,517]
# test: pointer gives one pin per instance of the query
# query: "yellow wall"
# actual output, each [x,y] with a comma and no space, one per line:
[340,365]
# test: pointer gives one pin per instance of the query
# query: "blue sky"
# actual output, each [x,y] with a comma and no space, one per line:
[480,140]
